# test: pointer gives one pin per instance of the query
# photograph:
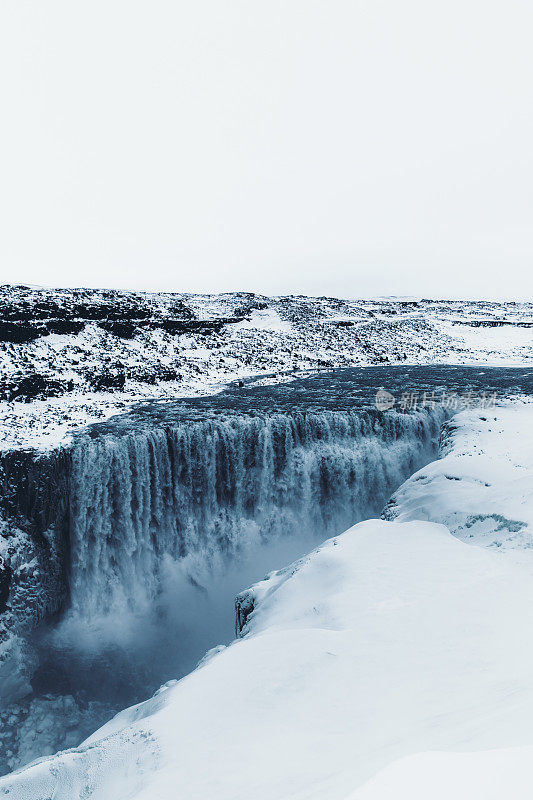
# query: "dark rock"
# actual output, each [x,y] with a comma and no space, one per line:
[153,375]
[120,328]
[178,309]
[175,327]
[107,382]
[5,583]
[64,326]
[33,488]
[35,387]
[18,332]
[244,606]
[110,311]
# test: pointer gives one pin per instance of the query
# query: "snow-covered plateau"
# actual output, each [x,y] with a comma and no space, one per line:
[395,660]
[162,453]
[73,356]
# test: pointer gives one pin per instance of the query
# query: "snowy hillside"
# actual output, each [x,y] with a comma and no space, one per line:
[69,357]
[388,641]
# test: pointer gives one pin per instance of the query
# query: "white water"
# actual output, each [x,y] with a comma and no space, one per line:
[202,492]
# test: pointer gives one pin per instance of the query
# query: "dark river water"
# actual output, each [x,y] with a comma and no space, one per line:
[349,389]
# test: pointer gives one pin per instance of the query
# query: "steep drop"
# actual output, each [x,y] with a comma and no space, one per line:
[212,489]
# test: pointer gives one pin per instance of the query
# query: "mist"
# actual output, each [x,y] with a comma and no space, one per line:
[123,655]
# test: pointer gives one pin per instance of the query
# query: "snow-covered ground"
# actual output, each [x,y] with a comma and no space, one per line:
[396,660]
[482,487]
[69,357]
[485,774]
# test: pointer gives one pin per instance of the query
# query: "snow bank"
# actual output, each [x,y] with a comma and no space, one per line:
[387,640]
[482,488]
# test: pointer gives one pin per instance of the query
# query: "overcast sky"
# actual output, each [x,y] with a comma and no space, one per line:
[292,146]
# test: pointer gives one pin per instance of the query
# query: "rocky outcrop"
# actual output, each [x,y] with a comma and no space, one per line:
[34,557]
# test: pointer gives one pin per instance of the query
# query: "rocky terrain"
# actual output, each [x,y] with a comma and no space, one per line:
[73,356]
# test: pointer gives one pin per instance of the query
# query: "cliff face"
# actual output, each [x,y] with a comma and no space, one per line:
[35,555]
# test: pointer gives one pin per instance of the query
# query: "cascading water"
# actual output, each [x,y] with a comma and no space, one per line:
[211,489]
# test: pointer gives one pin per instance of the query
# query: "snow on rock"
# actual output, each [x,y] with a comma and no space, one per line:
[69,357]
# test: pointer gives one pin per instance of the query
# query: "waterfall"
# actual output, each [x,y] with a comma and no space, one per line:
[144,530]
[213,487]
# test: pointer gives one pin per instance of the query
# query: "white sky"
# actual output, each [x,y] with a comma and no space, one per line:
[284,146]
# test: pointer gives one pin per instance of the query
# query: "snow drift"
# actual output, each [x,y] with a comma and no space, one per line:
[482,486]
[336,677]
